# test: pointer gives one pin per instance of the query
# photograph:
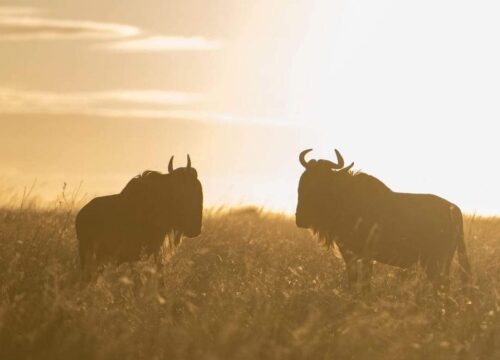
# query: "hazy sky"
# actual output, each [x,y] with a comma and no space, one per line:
[98,91]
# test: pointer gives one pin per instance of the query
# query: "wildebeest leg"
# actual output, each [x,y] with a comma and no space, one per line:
[438,272]
[87,255]
[89,266]
[350,260]
[177,237]
[366,269]
[158,256]
[84,264]
[359,271]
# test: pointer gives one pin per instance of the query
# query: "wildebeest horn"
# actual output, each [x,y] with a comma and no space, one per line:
[340,161]
[171,165]
[189,162]
[302,157]
[347,168]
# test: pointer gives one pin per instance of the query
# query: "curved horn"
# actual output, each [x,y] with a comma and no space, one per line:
[171,165]
[189,162]
[347,168]
[340,161]
[302,157]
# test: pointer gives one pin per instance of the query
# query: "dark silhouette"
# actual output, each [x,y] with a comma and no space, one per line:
[151,206]
[368,221]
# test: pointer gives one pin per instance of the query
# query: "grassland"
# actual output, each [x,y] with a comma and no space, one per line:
[253,286]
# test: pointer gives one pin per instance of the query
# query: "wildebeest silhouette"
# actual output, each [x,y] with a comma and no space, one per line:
[368,221]
[152,205]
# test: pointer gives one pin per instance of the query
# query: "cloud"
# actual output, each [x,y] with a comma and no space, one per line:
[22,24]
[140,104]
[29,24]
[18,101]
[163,43]
[152,97]
[193,115]
[17,10]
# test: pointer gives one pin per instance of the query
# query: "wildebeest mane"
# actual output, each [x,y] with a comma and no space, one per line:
[368,182]
[365,187]
[137,183]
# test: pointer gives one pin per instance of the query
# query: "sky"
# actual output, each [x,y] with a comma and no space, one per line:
[93,93]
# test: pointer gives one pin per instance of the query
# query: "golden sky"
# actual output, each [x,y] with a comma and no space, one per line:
[97,91]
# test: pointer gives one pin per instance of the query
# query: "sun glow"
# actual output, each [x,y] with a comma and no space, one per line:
[405,92]
[408,91]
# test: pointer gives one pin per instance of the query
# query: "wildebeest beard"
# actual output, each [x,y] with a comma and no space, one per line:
[325,237]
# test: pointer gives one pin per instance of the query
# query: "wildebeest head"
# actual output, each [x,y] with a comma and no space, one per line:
[172,201]
[187,197]
[321,187]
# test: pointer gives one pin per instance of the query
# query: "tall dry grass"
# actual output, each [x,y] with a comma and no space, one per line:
[253,286]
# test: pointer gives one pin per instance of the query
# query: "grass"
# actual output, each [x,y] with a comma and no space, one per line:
[253,286]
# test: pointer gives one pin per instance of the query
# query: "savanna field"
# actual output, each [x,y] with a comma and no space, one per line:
[252,286]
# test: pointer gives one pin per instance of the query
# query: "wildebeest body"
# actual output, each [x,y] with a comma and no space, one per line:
[136,221]
[369,222]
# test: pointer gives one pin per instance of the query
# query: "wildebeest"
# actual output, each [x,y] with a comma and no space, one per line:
[152,205]
[368,221]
